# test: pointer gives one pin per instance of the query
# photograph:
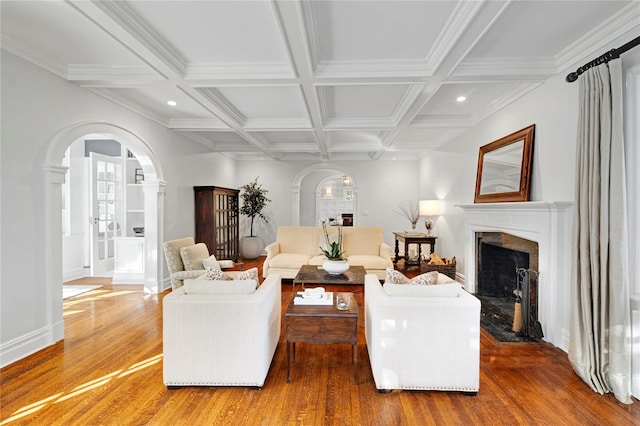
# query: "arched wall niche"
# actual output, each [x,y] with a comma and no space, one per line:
[54,176]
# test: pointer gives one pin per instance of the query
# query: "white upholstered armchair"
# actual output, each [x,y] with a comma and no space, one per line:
[422,341]
[221,339]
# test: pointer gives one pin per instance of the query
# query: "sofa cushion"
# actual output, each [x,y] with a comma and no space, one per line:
[299,239]
[451,289]
[192,256]
[211,262]
[368,261]
[289,261]
[220,286]
[317,260]
[363,240]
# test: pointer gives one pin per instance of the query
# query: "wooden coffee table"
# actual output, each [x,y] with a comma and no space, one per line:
[315,275]
[321,324]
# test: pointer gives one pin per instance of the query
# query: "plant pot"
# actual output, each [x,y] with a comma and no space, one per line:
[335,267]
[251,247]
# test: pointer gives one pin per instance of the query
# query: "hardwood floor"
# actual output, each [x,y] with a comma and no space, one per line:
[108,371]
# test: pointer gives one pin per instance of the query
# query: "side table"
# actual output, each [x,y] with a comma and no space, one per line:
[410,238]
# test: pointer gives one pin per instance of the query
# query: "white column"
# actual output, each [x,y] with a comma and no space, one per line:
[153,236]
[296,205]
[54,176]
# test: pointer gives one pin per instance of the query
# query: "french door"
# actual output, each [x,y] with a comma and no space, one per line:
[106,211]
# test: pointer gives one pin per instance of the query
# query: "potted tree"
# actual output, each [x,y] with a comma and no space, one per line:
[254,200]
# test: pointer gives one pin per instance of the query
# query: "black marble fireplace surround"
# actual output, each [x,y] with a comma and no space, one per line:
[498,254]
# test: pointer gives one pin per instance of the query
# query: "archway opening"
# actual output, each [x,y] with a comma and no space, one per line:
[54,178]
[307,186]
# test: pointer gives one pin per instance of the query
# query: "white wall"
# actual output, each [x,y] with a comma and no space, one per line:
[450,172]
[382,186]
[37,105]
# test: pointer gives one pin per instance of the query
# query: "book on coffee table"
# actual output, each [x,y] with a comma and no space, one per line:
[325,299]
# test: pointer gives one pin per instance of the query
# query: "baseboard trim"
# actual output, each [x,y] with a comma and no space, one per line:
[30,343]
[74,274]
[127,278]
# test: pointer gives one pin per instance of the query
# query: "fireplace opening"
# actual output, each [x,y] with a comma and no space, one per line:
[500,260]
[498,265]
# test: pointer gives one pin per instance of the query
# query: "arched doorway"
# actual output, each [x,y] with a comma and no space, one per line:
[54,176]
[304,191]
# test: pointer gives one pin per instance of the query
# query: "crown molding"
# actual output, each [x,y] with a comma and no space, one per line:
[239,70]
[503,101]
[200,139]
[412,93]
[288,124]
[542,67]
[308,19]
[358,123]
[441,121]
[131,74]
[128,19]
[197,124]
[416,68]
[456,25]
[626,20]
[220,102]
[284,40]
[30,55]
[294,147]
[129,104]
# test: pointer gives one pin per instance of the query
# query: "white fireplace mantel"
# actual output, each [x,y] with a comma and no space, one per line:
[547,223]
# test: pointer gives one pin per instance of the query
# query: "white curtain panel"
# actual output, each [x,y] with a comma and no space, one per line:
[600,347]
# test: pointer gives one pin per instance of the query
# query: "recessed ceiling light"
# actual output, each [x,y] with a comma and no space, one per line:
[461,98]
[172,103]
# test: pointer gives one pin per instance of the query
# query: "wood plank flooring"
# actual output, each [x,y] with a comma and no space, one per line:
[108,371]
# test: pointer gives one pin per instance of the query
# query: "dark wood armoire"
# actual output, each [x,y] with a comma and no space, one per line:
[218,220]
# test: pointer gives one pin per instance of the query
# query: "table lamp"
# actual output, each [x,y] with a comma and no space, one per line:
[429,208]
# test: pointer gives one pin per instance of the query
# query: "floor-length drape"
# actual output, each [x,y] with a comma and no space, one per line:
[599,348]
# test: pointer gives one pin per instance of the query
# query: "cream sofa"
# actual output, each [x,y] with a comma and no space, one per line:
[423,341]
[221,339]
[300,245]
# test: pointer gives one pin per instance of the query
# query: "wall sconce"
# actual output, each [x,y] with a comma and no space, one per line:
[346,180]
[429,208]
[328,193]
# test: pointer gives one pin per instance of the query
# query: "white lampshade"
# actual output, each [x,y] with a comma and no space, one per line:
[429,207]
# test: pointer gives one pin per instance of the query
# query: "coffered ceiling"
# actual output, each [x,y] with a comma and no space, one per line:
[312,80]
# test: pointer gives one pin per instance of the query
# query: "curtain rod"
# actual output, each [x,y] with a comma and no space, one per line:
[603,59]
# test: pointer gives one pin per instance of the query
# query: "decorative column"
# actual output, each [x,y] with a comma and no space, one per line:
[153,236]
[54,176]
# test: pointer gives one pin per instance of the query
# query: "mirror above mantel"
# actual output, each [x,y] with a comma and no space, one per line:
[504,168]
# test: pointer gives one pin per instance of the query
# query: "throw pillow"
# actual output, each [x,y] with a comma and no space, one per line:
[192,256]
[220,287]
[211,262]
[216,274]
[443,290]
[397,277]
[249,274]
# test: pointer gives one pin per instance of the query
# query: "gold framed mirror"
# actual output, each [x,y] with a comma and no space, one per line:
[504,168]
